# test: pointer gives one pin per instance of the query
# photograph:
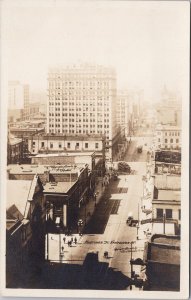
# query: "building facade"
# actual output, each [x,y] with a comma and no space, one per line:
[162,259]
[82,100]
[168,162]
[167,137]
[166,203]
[14,150]
[123,113]
[25,229]
[56,143]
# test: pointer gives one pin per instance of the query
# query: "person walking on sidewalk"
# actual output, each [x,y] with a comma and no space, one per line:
[75,240]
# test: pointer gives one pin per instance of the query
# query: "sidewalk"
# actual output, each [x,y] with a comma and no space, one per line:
[88,209]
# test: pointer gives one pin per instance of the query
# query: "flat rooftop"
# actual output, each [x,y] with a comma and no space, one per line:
[165,249]
[58,187]
[90,153]
[75,137]
[40,169]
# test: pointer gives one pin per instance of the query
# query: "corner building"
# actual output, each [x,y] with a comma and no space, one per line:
[82,100]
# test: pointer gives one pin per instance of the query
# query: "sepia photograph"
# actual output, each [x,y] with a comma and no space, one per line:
[95,148]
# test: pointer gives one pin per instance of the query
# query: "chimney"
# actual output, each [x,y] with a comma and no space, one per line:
[47,176]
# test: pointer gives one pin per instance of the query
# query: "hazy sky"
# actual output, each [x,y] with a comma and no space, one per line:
[144,41]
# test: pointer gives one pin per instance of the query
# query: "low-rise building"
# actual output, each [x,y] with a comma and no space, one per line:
[166,203]
[167,137]
[25,227]
[14,150]
[55,143]
[66,188]
[162,259]
[168,162]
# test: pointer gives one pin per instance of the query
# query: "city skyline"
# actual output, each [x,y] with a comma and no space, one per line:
[58,34]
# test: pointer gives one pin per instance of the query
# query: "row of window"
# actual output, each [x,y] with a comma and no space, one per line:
[85,131]
[169,141]
[167,212]
[78,119]
[83,102]
[174,133]
[73,83]
[86,145]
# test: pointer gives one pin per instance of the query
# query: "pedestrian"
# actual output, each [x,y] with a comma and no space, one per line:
[71,239]
[64,239]
[62,248]
[68,243]
[75,240]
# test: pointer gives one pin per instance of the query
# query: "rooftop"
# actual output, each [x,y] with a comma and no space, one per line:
[17,196]
[77,137]
[40,169]
[14,141]
[27,127]
[58,187]
[65,154]
[165,250]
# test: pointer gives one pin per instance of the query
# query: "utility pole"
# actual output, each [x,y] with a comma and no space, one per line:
[131,262]
[164,222]
[59,246]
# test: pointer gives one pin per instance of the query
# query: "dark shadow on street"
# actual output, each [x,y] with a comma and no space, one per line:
[103,210]
[91,275]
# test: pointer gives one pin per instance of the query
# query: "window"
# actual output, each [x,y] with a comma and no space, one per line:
[159,140]
[96,145]
[42,144]
[177,141]
[59,145]
[68,145]
[171,140]
[51,145]
[166,141]
[169,213]
[179,214]
[159,213]
[33,143]
[86,145]
[77,145]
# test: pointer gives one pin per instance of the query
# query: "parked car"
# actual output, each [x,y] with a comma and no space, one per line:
[130,220]
[124,167]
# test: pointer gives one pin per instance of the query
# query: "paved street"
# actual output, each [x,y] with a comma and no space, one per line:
[107,229]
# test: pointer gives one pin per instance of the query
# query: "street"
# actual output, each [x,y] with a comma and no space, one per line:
[107,229]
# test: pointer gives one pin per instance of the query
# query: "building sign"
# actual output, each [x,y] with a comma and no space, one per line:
[173,157]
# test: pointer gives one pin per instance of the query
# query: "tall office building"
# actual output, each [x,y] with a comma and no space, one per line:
[19,98]
[16,95]
[123,112]
[82,100]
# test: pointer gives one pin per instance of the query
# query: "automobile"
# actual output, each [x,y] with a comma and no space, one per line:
[130,220]
[123,166]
